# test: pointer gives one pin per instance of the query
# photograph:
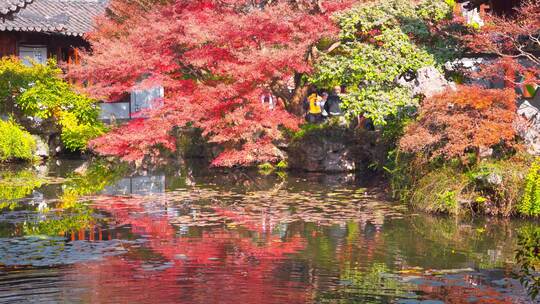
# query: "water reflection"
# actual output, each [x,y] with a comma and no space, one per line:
[139,185]
[197,236]
[528,257]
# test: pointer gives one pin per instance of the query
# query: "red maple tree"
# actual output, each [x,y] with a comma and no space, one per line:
[514,39]
[215,59]
[465,120]
[474,118]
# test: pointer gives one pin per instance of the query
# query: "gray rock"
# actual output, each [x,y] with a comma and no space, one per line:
[335,150]
[528,111]
[322,155]
[42,149]
[491,180]
[494,179]
[470,64]
[428,82]
[339,159]
[42,169]
[528,128]
[82,169]
[485,152]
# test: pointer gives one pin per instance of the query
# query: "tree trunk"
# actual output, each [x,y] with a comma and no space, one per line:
[293,100]
[297,101]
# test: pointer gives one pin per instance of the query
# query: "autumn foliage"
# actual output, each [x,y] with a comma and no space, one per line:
[214,59]
[460,121]
[514,39]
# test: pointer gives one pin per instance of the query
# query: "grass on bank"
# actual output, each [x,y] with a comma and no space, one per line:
[501,187]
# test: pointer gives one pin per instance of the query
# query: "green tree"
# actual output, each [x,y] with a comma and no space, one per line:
[381,41]
[43,103]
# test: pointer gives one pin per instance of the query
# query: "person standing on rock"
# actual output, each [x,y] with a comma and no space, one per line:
[333,104]
[322,104]
[314,108]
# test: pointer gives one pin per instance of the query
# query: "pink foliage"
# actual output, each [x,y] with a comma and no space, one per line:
[214,59]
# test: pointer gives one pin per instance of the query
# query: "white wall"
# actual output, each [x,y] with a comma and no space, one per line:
[118,110]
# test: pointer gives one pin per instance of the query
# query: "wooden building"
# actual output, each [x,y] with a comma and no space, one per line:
[41,29]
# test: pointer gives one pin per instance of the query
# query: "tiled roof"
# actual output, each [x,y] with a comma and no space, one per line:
[67,17]
[9,6]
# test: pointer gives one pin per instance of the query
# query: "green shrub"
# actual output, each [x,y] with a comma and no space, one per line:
[530,202]
[282,165]
[15,143]
[38,91]
[307,129]
[266,168]
[76,134]
[77,219]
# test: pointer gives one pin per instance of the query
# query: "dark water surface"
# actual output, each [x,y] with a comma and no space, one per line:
[192,235]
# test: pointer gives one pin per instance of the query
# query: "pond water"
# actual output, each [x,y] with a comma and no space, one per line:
[187,234]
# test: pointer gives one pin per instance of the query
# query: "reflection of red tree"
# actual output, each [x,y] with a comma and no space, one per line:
[218,266]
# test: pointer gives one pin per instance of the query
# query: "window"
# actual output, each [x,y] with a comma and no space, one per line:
[145,99]
[38,54]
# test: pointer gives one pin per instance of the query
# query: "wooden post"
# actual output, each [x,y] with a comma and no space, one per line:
[58,54]
[69,62]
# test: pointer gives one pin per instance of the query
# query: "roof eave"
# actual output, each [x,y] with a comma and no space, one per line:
[43,31]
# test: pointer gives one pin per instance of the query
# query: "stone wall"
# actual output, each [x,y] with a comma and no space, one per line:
[335,149]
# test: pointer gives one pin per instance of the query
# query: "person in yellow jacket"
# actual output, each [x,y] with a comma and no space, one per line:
[314,108]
